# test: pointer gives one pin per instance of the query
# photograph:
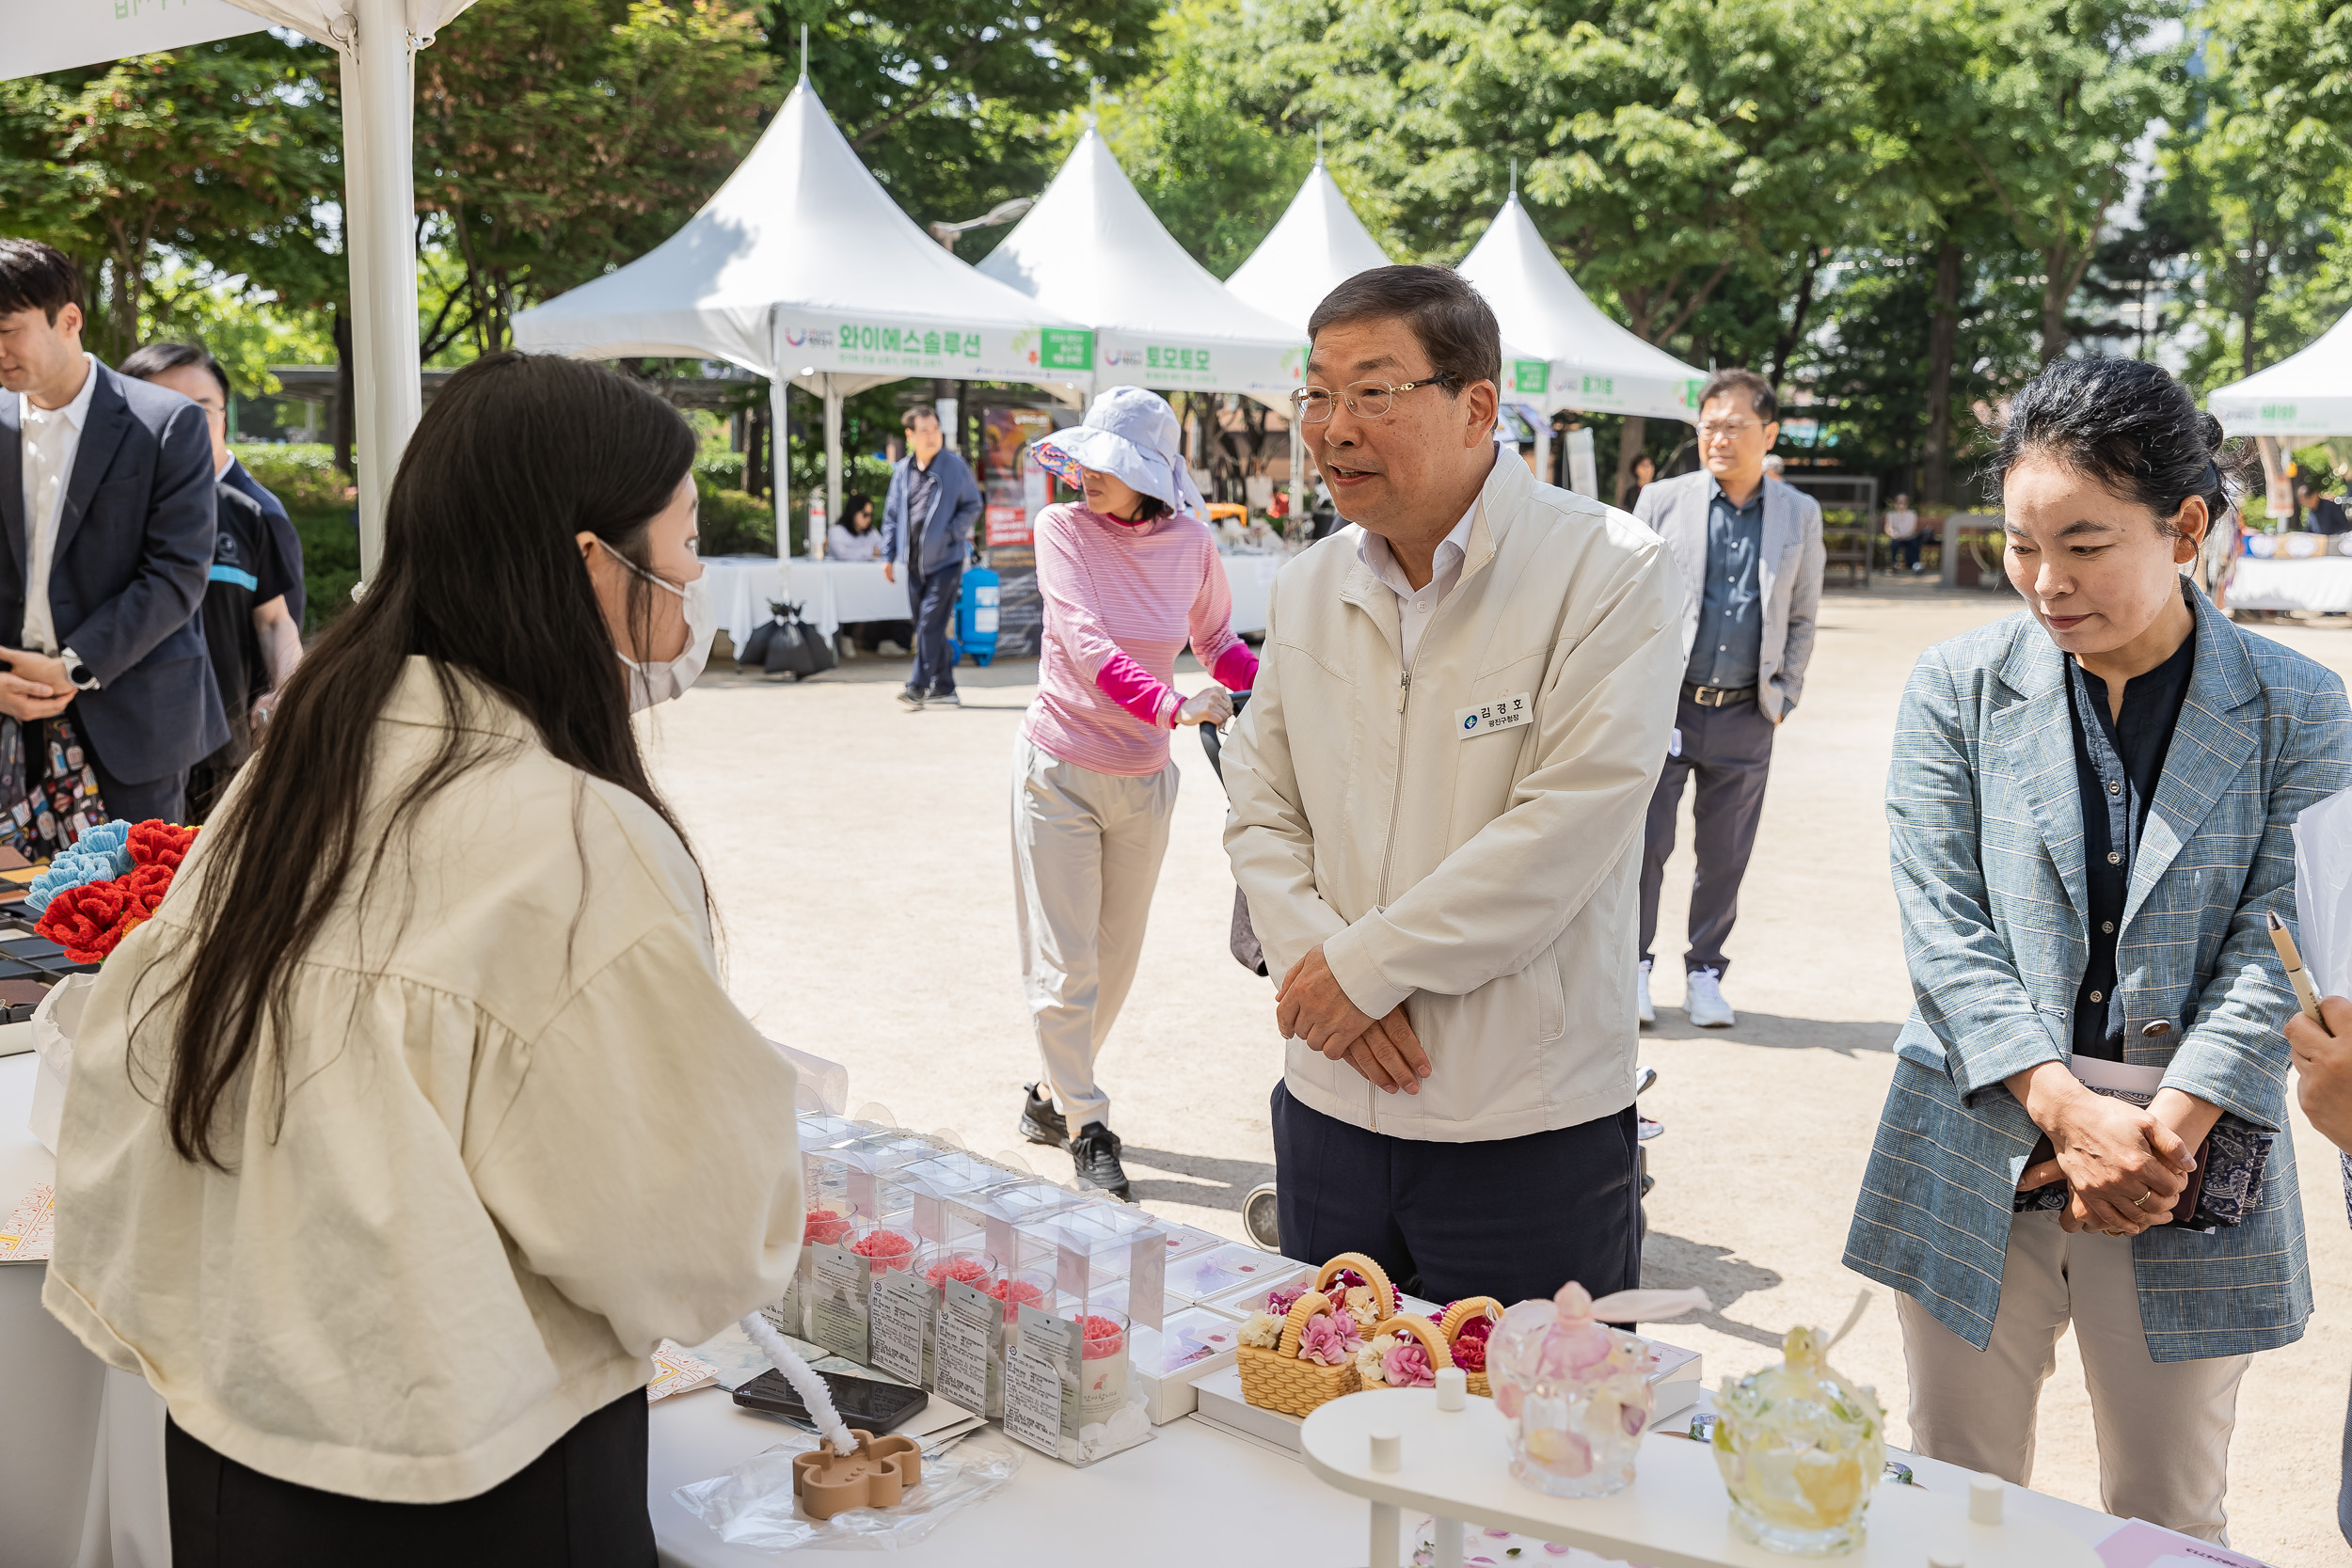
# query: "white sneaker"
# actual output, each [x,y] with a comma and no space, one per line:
[1642,1010]
[1705,1001]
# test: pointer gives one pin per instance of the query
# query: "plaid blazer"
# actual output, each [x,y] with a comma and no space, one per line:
[1987,856]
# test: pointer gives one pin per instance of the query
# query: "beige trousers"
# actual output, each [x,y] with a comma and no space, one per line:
[1087,848]
[2163,1427]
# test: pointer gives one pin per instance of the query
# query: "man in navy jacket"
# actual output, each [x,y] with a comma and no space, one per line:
[107,512]
[926,528]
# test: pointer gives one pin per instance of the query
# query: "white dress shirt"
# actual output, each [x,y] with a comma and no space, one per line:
[1415,606]
[51,437]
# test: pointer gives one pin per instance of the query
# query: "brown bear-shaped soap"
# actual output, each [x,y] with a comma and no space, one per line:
[876,1474]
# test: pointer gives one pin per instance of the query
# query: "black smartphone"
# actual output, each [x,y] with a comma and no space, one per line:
[866,1403]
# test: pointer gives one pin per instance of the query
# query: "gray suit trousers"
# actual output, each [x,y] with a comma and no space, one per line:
[1730,750]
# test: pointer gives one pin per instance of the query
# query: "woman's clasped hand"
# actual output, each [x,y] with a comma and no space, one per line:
[2125,1167]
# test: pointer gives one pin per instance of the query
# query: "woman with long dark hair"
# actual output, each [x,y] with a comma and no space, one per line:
[2091,807]
[417,1116]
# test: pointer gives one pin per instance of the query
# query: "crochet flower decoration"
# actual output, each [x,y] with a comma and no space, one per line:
[1329,1338]
[107,885]
[1263,1330]
[1406,1365]
[1469,1345]
[100,856]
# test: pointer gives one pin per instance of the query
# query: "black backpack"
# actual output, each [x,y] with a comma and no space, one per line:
[785,644]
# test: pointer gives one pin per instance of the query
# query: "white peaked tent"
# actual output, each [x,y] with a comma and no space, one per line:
[802,269]
[1091,250]
[377,41]
[1595,364]
[1318,244]
[2308,393]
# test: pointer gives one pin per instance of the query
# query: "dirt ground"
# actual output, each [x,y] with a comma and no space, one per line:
[860,858]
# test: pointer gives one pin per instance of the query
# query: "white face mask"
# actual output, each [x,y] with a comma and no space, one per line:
[649,683]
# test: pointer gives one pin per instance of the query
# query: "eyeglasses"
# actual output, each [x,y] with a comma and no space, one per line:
[1729,430]
[1366,399]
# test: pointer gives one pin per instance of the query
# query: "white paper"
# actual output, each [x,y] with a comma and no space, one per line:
[1033,1403]
[2323,893]
[901,1312]
[968,1343]
[837,1308]
[1146,1279]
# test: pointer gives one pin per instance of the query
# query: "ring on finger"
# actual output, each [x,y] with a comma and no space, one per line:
[2141,1201]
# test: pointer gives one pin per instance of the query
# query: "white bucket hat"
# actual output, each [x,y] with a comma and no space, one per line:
[1133,435]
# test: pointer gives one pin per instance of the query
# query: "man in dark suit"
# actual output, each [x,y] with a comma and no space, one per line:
[926,528]
[106,510]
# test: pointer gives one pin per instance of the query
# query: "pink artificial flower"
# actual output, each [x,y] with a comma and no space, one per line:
[1329,1338]
[1278,1303]
[1406,1366]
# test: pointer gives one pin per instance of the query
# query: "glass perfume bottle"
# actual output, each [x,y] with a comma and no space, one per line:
[1801,1448]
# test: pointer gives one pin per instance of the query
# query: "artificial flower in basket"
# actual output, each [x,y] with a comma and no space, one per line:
[1309,1354]
[90,897]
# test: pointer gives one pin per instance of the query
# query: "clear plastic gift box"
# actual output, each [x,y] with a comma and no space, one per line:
[1222,1277]
[985,1219]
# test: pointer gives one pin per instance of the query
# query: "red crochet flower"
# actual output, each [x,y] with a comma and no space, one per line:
[155,842]
[88,921]
[145,888]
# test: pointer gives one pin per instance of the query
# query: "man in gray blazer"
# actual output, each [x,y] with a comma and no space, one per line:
[1750,550]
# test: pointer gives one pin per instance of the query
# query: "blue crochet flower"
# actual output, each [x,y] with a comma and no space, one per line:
[100,855]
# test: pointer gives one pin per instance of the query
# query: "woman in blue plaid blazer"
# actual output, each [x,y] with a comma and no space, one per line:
[2041,934]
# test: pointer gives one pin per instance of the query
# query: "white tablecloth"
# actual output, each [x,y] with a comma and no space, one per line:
[828,592]
[1251,578]
[2320,583]
[81,1446]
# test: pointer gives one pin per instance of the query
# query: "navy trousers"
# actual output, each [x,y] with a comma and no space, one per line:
[931,604]
[1514,1218]
[1730,749]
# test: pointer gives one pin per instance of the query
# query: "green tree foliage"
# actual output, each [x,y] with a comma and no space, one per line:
[945,100]
[558,138]
[148,169]
[2260,177]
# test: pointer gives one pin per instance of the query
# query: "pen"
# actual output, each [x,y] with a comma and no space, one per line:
[2284,940]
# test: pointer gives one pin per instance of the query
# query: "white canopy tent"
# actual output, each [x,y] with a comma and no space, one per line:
[1596,365]
[1318,244]
[802,269]
[2308,393]
[377,41]
[1091,250]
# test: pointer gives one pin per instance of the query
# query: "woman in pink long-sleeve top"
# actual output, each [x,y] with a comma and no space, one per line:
[1127,579]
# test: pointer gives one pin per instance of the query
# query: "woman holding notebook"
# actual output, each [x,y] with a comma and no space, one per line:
[2090,806]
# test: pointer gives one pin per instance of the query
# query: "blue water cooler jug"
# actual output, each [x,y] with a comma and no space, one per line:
[976,618]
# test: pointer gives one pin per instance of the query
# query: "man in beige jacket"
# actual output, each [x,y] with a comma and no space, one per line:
[1437,793]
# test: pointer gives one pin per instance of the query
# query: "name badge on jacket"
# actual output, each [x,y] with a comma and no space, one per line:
[1503,713]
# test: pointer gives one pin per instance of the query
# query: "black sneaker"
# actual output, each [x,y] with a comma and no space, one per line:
[1096,1150]
[910,696]
[936,698]
[1041,1123]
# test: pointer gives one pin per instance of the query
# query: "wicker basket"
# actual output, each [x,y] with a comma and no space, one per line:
[1451,1327]
[1385,1301]
[1441,1357]
[1277,1379]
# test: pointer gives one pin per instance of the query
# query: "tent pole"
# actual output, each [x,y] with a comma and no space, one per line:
[780,459]
[833,462]
[378,225]
[1298,463]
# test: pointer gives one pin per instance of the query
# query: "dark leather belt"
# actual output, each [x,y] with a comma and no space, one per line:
[1718,696]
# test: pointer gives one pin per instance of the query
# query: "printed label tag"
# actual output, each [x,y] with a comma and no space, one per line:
[1033,1403]
[837,1315]
[1503,713]
[967,1340]
[901,1313]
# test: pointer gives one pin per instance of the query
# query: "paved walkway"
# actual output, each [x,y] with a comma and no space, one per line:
[858,853]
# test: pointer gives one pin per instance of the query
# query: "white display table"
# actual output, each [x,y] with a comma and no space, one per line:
[828,592]
[1674,1515]
[2320,583]
[1251,578]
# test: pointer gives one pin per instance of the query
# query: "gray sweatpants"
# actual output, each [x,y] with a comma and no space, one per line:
[1731,749]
